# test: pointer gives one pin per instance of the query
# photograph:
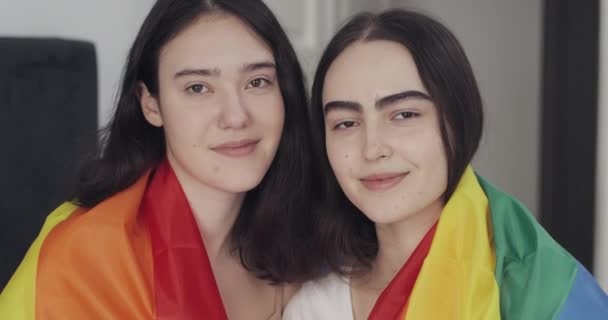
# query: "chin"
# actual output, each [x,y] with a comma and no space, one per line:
[385,219]
[383,215]
[239,184]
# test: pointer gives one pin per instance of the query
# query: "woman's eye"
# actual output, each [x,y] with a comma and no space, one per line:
[259,83]
[345,125]
[197,88]
[405,115]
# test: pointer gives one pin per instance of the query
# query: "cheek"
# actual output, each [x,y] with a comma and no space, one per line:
[186,122]
[423,147]
[437,150]
[341,157]
[188,128]
[437,164]
[184,139]
[269,112]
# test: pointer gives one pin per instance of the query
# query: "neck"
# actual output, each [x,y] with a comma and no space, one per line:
[397,241]
[215,212]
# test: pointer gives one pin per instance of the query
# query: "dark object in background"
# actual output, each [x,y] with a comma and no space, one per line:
[48,123]
[569,124]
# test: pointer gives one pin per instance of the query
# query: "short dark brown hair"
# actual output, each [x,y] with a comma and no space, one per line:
[347,237]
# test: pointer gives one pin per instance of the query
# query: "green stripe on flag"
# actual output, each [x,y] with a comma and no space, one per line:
[534,273]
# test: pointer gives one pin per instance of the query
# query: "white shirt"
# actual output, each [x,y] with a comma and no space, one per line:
[326,298]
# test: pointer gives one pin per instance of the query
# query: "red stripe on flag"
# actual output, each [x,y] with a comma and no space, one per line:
[184,284]
[394,298]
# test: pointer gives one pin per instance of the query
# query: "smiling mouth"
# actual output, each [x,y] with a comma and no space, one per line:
[238,148]
[381,182]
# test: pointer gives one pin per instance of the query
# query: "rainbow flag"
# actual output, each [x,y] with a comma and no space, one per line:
[487,258]
[136,255]
[490,259]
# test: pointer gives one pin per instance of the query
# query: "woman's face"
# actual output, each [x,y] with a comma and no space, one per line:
[219,103]
[382,133]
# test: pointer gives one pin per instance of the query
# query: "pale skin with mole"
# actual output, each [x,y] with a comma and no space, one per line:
[384,145]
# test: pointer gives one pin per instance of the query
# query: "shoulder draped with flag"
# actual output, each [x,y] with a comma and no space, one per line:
[136,255]
[488,259]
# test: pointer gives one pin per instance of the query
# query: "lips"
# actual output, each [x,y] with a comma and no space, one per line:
[237,148]
[381,182]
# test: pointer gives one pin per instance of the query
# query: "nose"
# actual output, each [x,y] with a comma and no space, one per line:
[375,147]
[234,113]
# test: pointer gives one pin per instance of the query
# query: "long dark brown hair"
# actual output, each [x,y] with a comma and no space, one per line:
[273,224]
[347,237]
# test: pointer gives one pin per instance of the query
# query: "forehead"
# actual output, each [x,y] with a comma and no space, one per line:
[215,40]
[369,69]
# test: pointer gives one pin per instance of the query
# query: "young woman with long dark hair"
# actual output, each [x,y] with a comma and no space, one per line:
[188,211]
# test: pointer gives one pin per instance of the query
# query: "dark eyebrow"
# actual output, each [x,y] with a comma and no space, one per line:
[394,98]
[380,103]
[342,105]
[250,67]
[198,72]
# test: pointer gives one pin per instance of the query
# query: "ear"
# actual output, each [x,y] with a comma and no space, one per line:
[149,105]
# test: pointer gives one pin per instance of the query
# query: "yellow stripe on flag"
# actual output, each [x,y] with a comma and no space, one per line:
[17,300]
[457,278]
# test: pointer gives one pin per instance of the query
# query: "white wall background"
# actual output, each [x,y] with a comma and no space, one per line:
[110,24]
[601,229]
